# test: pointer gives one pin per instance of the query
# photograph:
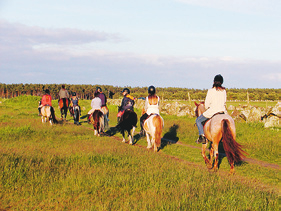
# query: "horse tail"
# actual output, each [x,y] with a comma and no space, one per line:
[157,121]
[233,150]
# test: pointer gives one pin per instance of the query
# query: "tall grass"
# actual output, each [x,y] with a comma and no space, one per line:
[65,167]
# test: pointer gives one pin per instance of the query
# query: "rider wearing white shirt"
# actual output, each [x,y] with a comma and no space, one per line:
[151,106]
[215,102]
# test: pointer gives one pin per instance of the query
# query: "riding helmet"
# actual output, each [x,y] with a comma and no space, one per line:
[47,91]
[218,78]
[73,93]
[126,90]
[98,89]
[151,90]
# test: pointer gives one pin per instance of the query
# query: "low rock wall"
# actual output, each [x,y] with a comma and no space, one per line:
[270,116]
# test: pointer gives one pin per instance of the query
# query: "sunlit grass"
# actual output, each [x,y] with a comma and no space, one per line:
[65,167]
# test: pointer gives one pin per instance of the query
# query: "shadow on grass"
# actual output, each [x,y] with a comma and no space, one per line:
[170,137]
[112,131]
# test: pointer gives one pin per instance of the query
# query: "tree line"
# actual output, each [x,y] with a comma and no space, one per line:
[86,91]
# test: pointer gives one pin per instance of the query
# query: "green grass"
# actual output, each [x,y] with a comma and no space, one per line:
[65,167]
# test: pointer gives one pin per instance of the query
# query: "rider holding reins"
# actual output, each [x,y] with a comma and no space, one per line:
[128,102]
[47,101]
[64,95]
[215,102]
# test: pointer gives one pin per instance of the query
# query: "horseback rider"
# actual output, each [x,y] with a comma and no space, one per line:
[127,103]
[103,98]
[151,106]
[47,101]
[96,104]
[215,102]
[64,95]
[75,102]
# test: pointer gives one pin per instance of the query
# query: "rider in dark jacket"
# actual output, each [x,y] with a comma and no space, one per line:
[127,103]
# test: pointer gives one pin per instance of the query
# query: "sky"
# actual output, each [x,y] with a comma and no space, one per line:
[138,43]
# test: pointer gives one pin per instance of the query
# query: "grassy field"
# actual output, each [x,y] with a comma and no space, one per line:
[65,167]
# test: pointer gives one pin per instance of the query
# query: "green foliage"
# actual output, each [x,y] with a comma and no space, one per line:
[86,91]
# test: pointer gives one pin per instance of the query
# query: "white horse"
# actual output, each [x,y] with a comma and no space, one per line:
[153,127]
[46,114]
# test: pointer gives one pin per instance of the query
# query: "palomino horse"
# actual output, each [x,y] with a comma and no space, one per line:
[46,114]
[220,127]
[153,127]
[63,105]
[97,119]
[128,122]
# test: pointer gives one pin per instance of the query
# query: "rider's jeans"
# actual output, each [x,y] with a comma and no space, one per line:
[199,121]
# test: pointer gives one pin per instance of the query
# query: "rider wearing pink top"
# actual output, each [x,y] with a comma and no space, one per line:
[215,102]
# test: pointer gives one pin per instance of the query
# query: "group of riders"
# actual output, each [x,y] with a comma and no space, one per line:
[215,102]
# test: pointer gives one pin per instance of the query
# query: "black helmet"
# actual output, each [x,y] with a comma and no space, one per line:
[126,90]
[151,90]
[98,89]
[218,78]
[47,91]
[73,93]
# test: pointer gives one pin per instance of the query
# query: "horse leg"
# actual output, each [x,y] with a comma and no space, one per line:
[155,145]
[231,168]
[131,137]
[207,161]
[149,145]
[123,135]
[216,154]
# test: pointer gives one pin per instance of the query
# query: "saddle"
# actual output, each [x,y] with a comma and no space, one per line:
[221,112]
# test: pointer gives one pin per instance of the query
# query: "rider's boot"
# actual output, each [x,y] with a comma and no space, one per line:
[201,139]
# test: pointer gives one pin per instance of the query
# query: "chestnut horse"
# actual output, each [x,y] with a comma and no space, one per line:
[97,119]
[153,127]
[128,122]
[46,114]
[220,127]
[63,105]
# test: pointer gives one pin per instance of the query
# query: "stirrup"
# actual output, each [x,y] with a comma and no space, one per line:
[201,140]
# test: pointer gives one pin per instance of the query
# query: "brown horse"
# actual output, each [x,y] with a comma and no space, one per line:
[97,119]
[220,127]
[63,105]
[153,127]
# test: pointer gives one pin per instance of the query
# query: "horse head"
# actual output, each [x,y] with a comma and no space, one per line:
[200,108]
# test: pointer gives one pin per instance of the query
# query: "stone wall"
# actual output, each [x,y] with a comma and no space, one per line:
[271,115]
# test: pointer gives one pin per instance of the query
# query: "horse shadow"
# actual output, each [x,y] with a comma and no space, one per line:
[111,131]
[170,137]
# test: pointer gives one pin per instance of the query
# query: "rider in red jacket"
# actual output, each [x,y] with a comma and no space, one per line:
[47,101]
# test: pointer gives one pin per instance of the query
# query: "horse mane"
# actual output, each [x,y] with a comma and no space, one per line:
[153,99]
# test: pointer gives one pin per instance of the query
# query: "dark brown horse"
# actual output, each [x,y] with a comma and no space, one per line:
[220,127]
[128,122]
[63,104]
[97,119]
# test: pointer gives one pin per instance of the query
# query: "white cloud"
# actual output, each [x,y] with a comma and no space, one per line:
[26,57]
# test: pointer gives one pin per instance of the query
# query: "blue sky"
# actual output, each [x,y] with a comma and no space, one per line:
[166,43]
